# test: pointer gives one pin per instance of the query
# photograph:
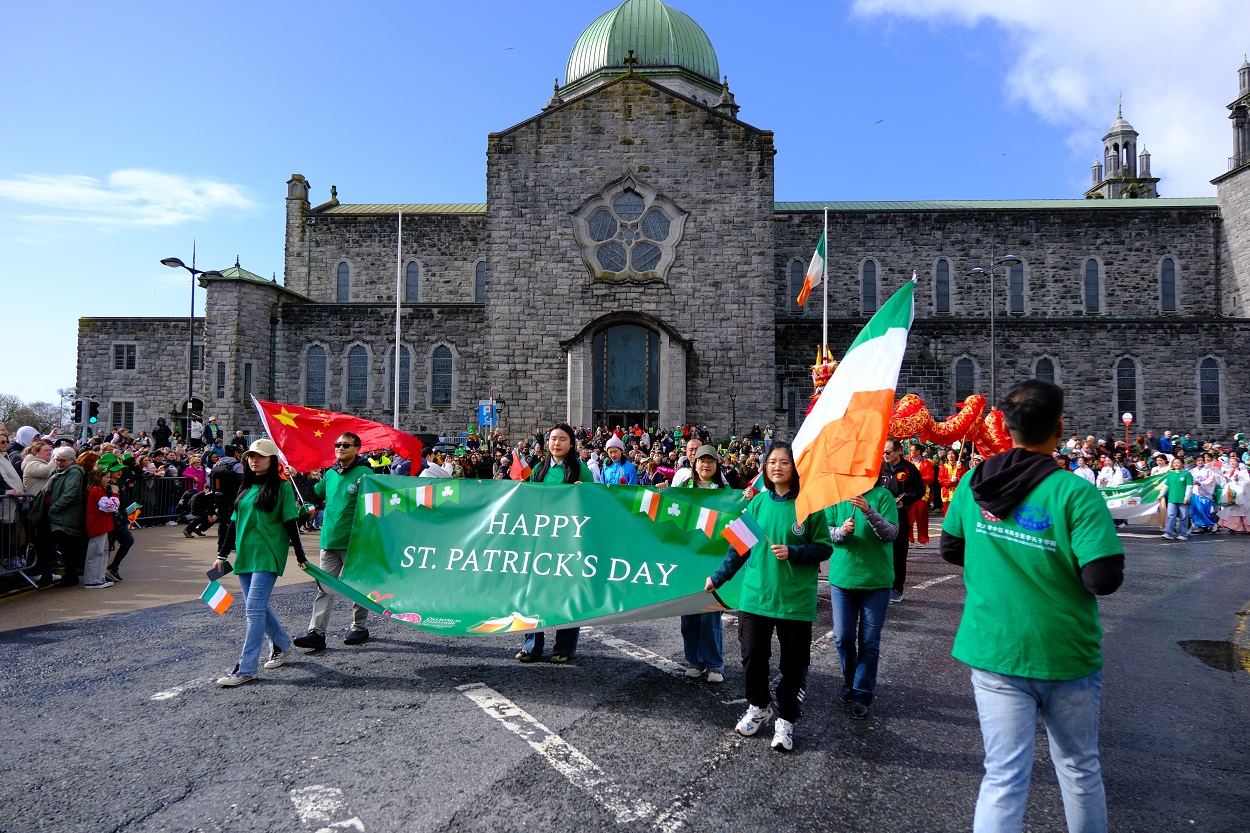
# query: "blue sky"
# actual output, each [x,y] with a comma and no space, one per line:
[133,129]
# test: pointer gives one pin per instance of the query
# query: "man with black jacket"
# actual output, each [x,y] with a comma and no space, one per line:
[903,480]
[225,478]
[1037,546]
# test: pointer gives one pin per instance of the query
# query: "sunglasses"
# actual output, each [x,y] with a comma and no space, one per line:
[344,445]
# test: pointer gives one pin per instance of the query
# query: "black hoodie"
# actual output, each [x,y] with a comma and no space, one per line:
[1000,484]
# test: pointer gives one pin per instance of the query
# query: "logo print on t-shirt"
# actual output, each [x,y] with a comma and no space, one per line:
[1032,517]
[797,529]
[990,517]
[351,489]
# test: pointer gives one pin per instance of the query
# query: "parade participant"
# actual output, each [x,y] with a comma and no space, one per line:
[861,578]
[1110,474]
[618,471]
[1037,548]
[1233,514]
[560,465]
[902,479]
[65,514]
[778,594]
[102,502]
[1084,472]
[918,514]
[263,526]
[949,475]
[702,633]
[339,487]
[1161,465]
[1202,502]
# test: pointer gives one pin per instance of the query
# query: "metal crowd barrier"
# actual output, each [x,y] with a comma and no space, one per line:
[158,496]
[17,540]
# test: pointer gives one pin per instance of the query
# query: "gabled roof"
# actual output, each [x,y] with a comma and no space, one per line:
[238,273]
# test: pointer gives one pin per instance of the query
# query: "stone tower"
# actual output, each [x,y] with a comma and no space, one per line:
[1122,172]
[1233,191]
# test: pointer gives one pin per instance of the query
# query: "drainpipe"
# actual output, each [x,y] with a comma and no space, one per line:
[273,352]
[1215,249]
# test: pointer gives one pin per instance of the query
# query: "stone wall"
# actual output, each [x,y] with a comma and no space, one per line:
[717,296]
[1233,191]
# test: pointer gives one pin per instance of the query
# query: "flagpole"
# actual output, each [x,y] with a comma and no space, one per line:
[824,280]
[399,268]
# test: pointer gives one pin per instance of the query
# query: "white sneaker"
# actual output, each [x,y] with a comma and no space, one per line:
[753,720]
[783,735]
[99,586]
[693,673]
[234,678]
[280,657]
[715,677]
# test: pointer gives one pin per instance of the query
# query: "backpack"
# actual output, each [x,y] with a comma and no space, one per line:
[225,480]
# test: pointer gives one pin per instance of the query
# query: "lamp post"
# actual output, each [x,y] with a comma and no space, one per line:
[733,416]
[175,263]
[1008,261]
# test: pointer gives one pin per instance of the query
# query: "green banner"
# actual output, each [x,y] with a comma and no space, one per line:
[475,558]
[1134,499]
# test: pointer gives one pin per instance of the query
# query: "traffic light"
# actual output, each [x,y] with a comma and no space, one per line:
[77,411]
[93,413]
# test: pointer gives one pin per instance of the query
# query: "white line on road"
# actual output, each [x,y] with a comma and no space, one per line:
[925,585]
[171,693]
[563,757]
[324,809]
[637,652]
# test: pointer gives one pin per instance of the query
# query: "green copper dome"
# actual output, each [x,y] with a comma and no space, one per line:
[659,35]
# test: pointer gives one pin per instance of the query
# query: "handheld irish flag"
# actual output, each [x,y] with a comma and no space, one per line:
[743,533]
[217,597]
[519,470]
[815,271]
[837,450]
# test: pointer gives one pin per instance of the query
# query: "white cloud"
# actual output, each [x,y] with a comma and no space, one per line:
[126,198]
[1176,64]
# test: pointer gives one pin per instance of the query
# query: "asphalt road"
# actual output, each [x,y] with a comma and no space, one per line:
[113,722]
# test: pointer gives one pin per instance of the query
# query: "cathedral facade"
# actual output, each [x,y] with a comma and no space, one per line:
[631,264]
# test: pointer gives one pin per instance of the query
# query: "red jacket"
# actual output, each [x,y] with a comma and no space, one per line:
[100,520]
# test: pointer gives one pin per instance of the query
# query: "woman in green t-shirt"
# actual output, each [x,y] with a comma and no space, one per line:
[560,465]
[778,593]
[264,524]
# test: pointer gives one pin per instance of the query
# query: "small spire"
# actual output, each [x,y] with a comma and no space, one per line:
[555,99]
[236,262]
[1119,110]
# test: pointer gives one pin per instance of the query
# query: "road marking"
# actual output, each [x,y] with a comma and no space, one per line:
[324,809]
[673,818]
[925,585]
[637,652]
[171,693]
[579,770]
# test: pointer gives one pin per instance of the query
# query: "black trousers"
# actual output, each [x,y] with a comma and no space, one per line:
[755,635]
[73,549]
[900,557]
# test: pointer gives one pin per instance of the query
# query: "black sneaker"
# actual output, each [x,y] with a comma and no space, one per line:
[111,574]
[357,637]
[860,711]
[312,641]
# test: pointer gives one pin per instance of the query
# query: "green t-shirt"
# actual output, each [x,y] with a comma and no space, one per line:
[260,538]
[1177,483]
[781,589]
[1027,612]
[555,474]
[339,489]
[863,561]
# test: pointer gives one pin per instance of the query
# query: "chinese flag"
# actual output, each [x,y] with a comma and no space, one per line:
[306,435]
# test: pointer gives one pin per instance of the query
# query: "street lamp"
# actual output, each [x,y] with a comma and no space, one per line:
[175,263]
[1008,261]
[733,415]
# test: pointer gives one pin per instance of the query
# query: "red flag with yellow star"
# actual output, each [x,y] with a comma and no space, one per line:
[306,435]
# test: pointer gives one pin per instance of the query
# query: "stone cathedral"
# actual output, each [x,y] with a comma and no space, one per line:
[631,264]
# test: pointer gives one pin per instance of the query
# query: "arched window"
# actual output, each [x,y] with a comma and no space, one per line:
[868,287]
[405,368]
[440,373]
[625,388]
[1092,285]
[1209,391]
[942,286]
[344,283]
[1126,388]
[797,275]
[1015,288]
[412,283]
[315,377]
[357,376]
[1045,369]
[479,283]
[1167,285]
[965,378]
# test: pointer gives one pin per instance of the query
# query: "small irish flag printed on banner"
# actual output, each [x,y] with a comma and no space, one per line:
[216,597]
[648,503]
[373,504]
[424,496]
[743,533]
[706,521]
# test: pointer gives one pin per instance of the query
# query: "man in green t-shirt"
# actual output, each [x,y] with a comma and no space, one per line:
[1178,490]
[1037,546]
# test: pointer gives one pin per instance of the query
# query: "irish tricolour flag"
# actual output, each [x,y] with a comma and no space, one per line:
[815,271]
[647,502]
[217,597]
[743,533]
[837,450]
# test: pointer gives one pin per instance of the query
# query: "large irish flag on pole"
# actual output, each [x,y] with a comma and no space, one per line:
[815,271]
[837,450]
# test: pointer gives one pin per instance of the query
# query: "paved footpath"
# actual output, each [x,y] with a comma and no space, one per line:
[111,720]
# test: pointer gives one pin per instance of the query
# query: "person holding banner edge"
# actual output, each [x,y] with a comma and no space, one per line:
[339,487]
[778,593]
[560,465]
[264,524]
[701,633]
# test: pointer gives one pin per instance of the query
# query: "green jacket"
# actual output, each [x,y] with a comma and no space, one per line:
[68,511]
[339,488]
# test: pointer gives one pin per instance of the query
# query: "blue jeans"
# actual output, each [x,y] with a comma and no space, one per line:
[857,619]
[566,642]
[701,635]
[1178,520]
[261,621]
[124,539]
[1008,708]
